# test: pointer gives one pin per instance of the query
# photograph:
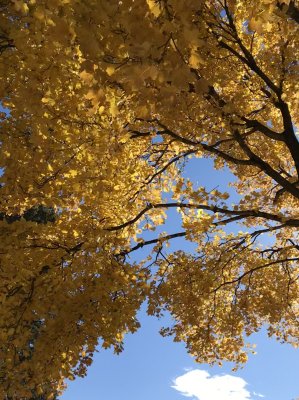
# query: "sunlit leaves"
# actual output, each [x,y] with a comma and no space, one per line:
[107,102]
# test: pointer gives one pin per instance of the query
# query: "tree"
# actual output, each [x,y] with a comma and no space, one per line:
[102,114]
[44,391]
[40,215]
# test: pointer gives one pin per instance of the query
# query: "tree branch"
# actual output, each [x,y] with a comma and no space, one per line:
[264,166]
[289,9]
[214,209]
[253,270]
[153,241]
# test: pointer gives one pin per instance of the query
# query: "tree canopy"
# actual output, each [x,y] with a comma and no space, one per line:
[104,103]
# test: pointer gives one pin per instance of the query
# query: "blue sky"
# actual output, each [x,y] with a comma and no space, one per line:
[153,367]
[148,366]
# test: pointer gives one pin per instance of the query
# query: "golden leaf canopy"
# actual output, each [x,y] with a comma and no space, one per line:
[103,103]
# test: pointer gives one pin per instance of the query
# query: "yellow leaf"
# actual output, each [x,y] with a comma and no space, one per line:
[48,100]
[110,70]
[154,7]
[195,60]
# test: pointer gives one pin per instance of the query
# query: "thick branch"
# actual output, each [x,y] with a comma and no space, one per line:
[264,166]
[289,133]
[213,208]
[289,136]
[205,146]
[258,126]
[226,156]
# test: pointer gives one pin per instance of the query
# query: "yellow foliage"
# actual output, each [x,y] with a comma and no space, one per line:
[103,105]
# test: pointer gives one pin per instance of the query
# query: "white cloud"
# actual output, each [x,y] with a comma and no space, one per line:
[202,386]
